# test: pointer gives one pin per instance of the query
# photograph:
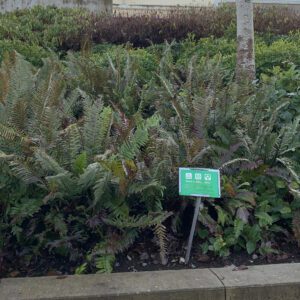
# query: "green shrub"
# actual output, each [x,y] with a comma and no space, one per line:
[280,53]
[32,53]
[45,27]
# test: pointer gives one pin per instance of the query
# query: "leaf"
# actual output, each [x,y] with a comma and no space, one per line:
[251,246]
[80,163]
[264,219]
[222,215]
[81,269]
[286,210]
[104,264]
[280,184]
[203,233]
[247,197]
[238,227]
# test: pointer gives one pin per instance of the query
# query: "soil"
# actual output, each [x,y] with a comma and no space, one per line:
[144,256]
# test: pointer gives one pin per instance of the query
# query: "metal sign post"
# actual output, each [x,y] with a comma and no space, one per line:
[198,183]
[191,237]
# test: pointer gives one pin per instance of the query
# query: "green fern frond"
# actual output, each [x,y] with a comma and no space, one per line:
[24,171]
[106,122]
[131,147]
[64,183]
[139,187]
[289,165]
[89,177]
[105,263]
[139,221]
[96,127]
[101,188]
[73,143]
[48,164]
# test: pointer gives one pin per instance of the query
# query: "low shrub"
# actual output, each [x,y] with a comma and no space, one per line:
[32,53]
[57,29]
[71,29]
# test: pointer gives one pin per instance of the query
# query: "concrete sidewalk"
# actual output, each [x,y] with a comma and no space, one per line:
[271,282]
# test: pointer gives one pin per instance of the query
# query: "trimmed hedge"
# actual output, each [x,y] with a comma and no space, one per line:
[65,29]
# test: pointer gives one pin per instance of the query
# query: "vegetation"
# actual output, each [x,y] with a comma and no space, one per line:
[34,32]
[91,142]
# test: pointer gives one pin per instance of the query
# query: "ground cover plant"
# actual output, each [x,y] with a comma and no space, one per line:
[91,142]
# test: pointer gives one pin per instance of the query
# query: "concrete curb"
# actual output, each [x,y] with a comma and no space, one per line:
[258,282]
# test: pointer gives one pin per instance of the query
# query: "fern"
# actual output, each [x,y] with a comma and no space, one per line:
[104,263]
[131,147]
[97,127]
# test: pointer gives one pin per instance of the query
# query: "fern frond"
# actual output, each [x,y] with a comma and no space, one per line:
[116,242]
[96,127]
[89,177]
[105,263]
[289,165]
[139,187]
[131,147]
[10,134]
[234,161]
[73,143]
[161,234]
[25,172]
[48,164]
[139,221]
[64,183]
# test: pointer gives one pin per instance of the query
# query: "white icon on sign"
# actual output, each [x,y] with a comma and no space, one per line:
[198,176]
[188,176]
[207,177]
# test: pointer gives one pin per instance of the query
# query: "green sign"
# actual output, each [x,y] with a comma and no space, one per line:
[199,182]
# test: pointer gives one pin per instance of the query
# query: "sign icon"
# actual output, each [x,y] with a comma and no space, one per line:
[198,176]
[188,176]
[207,177]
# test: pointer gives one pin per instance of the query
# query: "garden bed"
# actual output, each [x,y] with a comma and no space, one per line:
[144,256]
[91,143]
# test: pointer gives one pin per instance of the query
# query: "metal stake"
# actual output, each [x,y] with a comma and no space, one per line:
[190,243]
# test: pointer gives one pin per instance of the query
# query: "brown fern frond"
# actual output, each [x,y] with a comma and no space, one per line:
[161,234]
[19,115]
